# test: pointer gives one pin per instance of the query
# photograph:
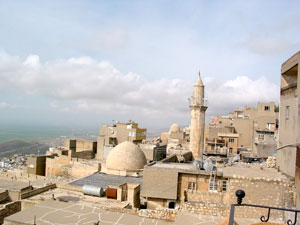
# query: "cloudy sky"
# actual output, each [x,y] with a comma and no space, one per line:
[85,63]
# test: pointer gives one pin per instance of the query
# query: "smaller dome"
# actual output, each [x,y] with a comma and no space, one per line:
[126,156]
[174,128]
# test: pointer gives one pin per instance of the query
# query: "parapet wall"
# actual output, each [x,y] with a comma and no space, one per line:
[84,154]
[262,191]
[37,191]
[259,191]
[9,209]
[204,196]
[4,196]
[206,208]
[159,213]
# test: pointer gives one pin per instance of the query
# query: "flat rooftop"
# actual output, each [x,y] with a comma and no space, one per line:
[66,213]
[180,167]
[76,197]
[103,180]
[13,185]
[254,171]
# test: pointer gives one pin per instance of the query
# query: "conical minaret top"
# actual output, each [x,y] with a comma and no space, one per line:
[198,93]
[199,81]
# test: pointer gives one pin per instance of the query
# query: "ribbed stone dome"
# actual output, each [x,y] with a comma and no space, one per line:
[174,128]
[126,156]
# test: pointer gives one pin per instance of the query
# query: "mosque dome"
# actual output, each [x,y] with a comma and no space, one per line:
[126,156]
[174,128]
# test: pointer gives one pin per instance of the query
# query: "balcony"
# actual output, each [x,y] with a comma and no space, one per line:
[197,102]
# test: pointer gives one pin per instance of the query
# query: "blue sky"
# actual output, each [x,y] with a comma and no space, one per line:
[89,62]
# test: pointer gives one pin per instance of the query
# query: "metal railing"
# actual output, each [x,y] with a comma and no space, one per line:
[240,194]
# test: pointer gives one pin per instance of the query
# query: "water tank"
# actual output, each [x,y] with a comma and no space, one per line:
[198,164]
[92,190]
[209,164]
[111,193]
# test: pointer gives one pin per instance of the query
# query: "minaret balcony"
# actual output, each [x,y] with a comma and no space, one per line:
[197,102]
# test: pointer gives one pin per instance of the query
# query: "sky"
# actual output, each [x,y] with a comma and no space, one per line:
[86,63]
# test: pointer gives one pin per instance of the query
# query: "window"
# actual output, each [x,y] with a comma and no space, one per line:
[230,150]
[260,137]
[171,205]
[287,112]
[224,185]
[192,186]
[267,108]
[231,140]
[213,185]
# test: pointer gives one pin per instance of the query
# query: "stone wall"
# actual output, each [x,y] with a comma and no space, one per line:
[83,154]
[84,145]
[69,187]
[276,193]
[3,196]
[82,169]
[27,204]
[205,196]
[37,191]
[206,208]
[14,195]
[259,191]
[159,213]
[55,166]
[9,209]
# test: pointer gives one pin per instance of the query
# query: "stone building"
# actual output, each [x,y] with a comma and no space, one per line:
[112,135]
[178,140]
[79,145]
[83,149]
[288,159]
[198,107]
[36,165]
[221,141]
[182,186]
[154,152]
[76,158]
[256,127]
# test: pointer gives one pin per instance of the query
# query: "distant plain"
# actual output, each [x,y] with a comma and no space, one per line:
[21,139]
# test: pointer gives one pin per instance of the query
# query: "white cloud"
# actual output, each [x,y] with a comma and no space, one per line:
[32,61]
[84,85]
[239,92]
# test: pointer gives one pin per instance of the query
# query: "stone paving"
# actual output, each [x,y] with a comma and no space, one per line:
[67,213]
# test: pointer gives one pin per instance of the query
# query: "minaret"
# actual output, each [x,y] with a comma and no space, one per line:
[198,108]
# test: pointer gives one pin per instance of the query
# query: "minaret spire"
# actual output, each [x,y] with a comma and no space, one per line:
[198,108]
[199,81]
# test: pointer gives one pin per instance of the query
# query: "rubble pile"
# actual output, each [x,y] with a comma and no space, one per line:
[271,162]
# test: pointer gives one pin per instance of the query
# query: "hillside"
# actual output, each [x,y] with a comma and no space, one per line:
[21,147]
